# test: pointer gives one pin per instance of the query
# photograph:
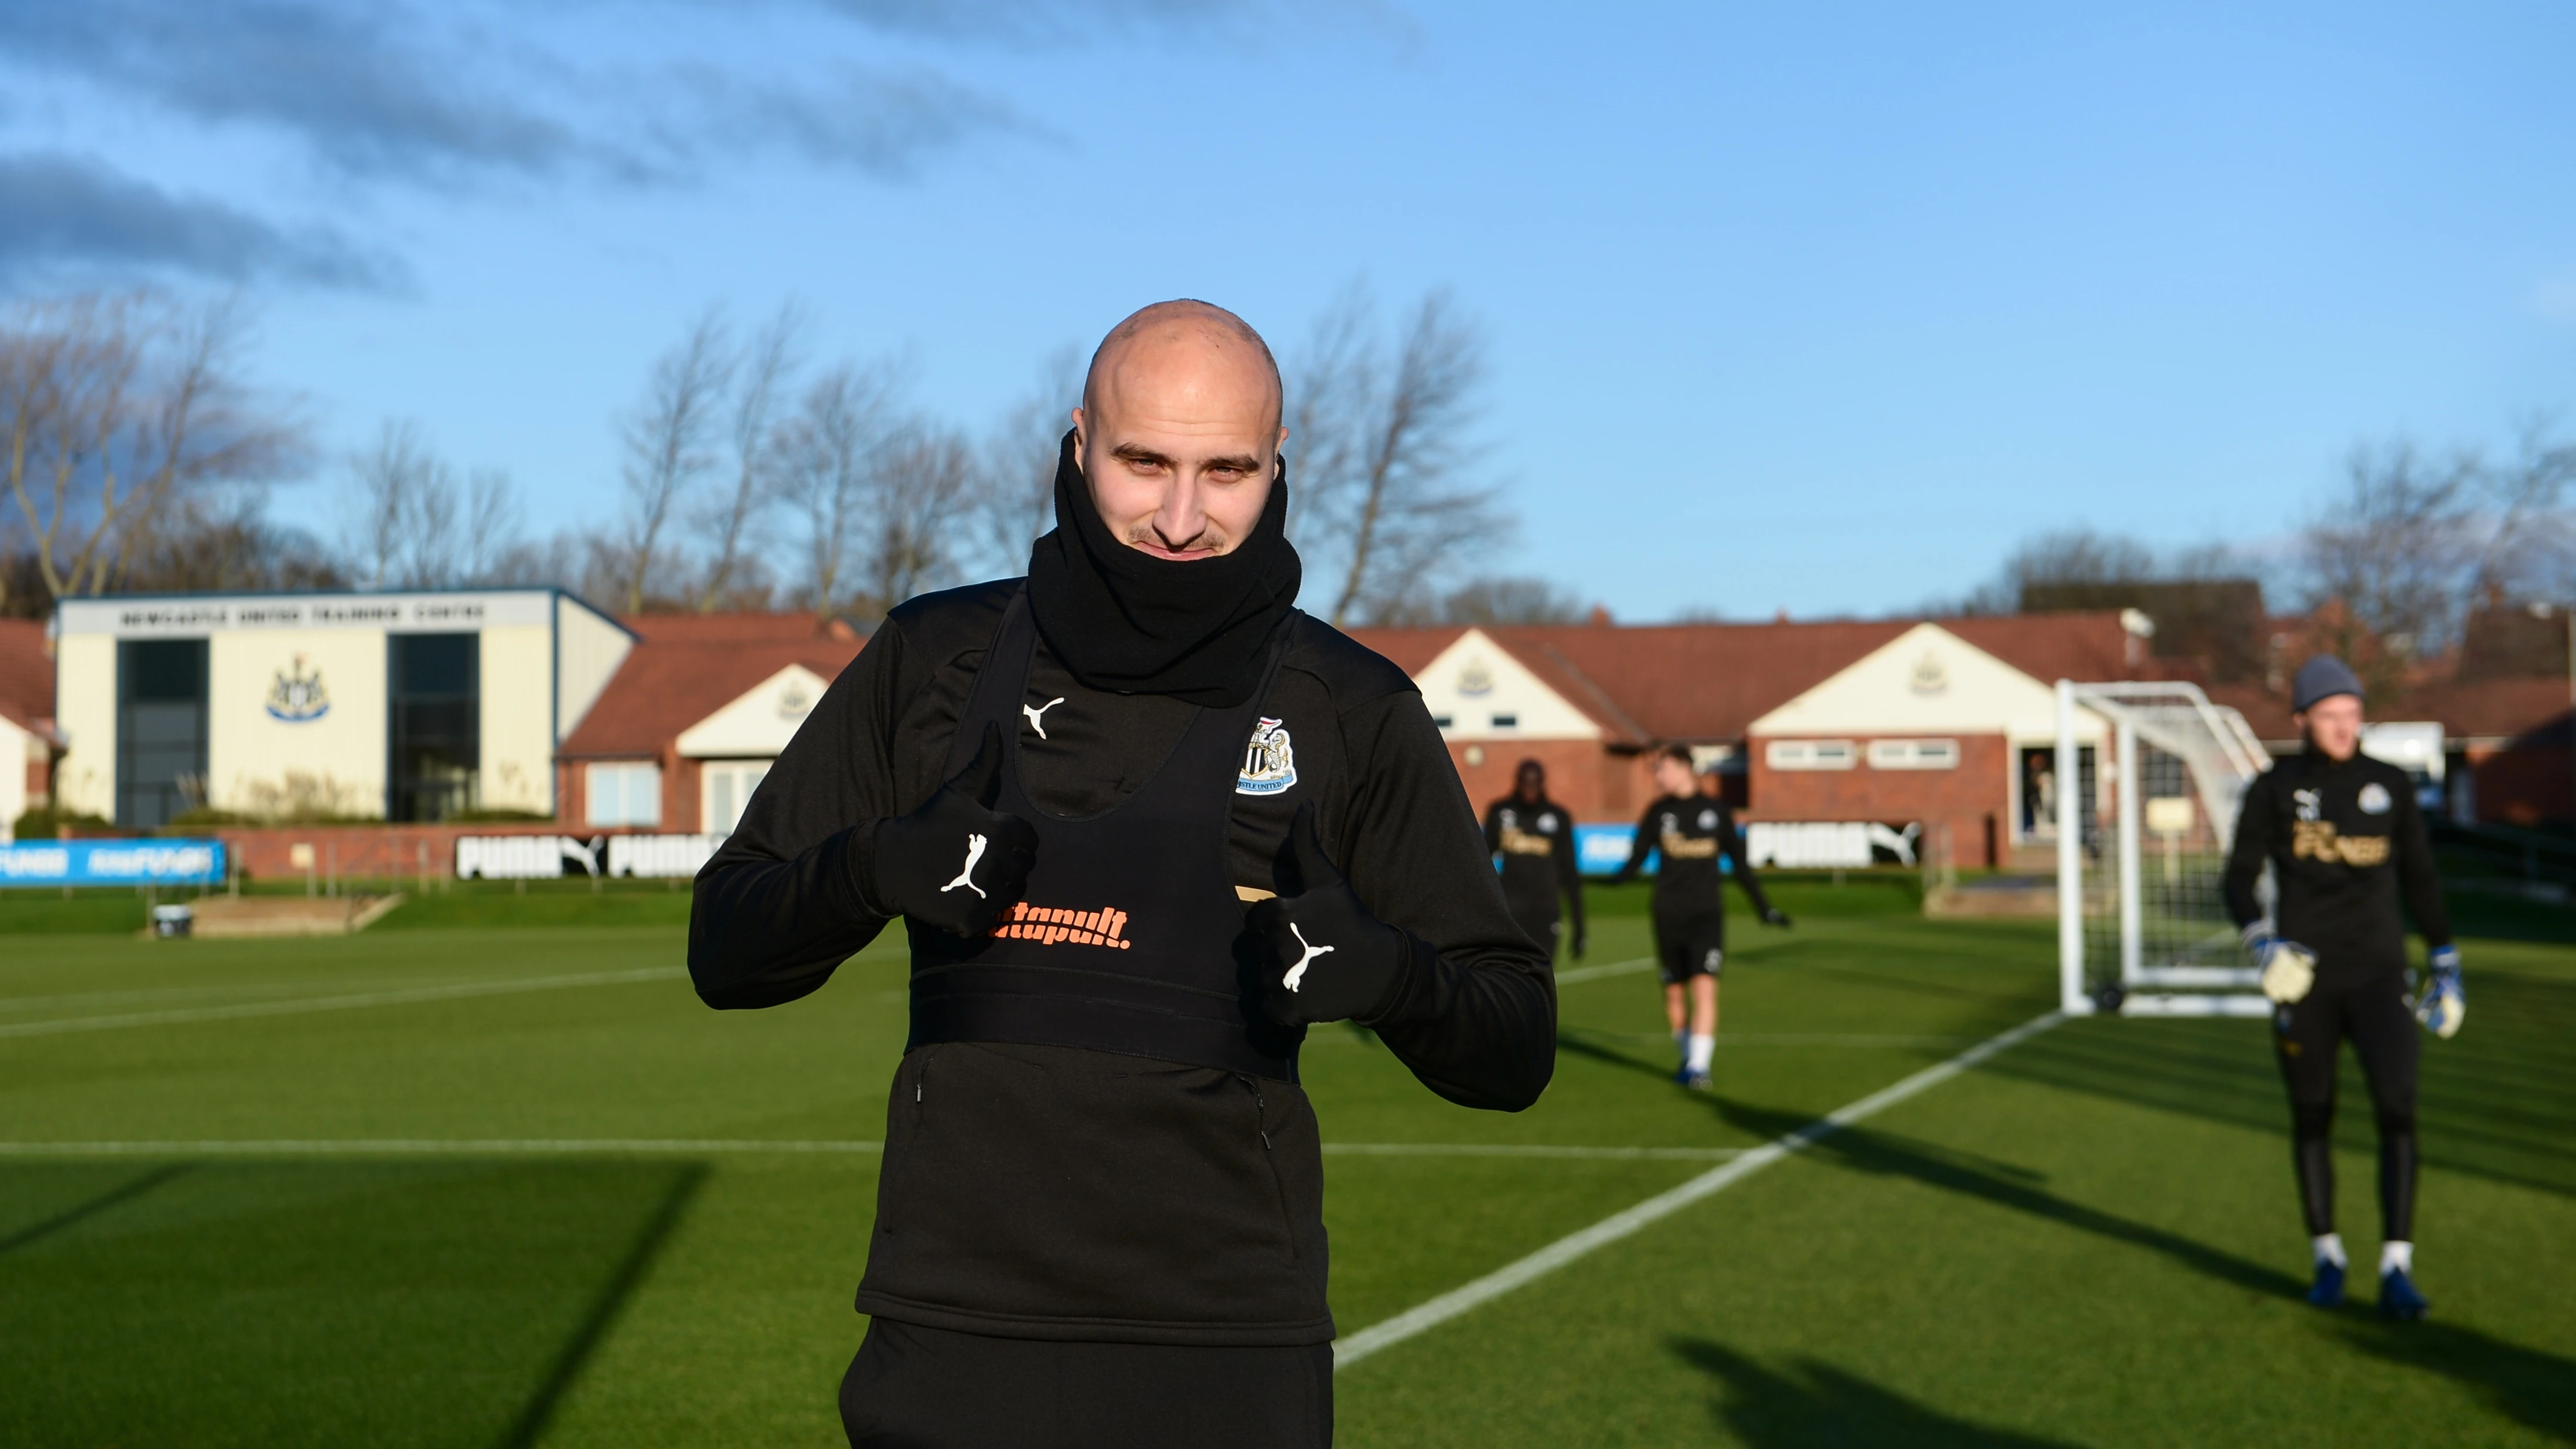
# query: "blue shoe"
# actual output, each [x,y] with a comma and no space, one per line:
[1681,1075]
[2398,1298]
[2327,1291]
[1696,1081]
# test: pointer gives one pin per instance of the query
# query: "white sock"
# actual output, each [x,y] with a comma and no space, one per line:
[1702,1050]
[2329,1249]
[2396,1258]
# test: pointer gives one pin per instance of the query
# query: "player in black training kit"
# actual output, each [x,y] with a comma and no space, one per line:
[1535,837]
[2345,839]
[1692,829]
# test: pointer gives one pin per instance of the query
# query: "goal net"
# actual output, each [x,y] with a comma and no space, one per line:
[2142,844]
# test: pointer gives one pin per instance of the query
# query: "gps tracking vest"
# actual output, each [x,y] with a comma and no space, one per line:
[1125,938]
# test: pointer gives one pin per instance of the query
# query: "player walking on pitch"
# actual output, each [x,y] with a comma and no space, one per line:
[1100,1215]
[2345,840]
[1693,829]
[1535,837]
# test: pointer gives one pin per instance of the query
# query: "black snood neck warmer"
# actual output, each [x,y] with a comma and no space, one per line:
[1126,622]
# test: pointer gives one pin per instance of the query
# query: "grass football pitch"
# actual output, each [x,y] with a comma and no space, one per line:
[511,1185]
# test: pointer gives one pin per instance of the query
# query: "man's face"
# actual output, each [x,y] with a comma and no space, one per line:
[1180,441]
[2333,725]
[1673,777]
[1531,783]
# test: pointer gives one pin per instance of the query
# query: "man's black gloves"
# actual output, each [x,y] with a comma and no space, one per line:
[1774,916]
[1320,954]
[956,863]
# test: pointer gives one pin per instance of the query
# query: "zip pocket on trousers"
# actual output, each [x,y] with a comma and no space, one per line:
[1269,1159]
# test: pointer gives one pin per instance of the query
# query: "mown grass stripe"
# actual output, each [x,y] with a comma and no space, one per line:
[298,1005]
[1456,1301]
[574,1146]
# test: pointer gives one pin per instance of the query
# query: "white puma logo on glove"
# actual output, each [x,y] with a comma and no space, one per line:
[1035,722]
[1297,972]
[966,877]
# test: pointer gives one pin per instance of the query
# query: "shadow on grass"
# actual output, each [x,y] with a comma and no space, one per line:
[322,1303]
[1816,1403]
[2533,1388]
[73,1215]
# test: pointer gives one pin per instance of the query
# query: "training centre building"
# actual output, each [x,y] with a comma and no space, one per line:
[446,716]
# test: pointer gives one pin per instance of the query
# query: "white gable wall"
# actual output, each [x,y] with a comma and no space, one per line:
[758,723]
[1475,679]
[1925,681]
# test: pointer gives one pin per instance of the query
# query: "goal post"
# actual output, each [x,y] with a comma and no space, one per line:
[2142,921]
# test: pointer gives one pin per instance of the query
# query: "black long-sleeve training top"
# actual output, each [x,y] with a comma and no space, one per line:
[1536,843]
[1055,1192]
[2345,840]
[1692,831]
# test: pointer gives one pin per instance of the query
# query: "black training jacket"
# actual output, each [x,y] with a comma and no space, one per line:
[2344,840]
[1536,844]
[1692,831]
[1060,1193]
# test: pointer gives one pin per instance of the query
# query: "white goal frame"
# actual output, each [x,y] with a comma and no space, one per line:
[2222,761]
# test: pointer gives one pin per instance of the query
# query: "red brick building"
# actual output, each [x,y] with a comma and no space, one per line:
[693,717]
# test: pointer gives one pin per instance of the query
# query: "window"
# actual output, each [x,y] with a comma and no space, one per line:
[1810,754]
[160,729]
[628,792]
[724,788]
[1914,754]
[437,707]
[1442,721]
[1507,721]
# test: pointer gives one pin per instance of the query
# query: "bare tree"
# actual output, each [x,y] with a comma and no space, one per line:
[2397,543]
[668,453]
[1013,500]
[917,490]
[416,526]
[762,374]
[1385,442]
[112,408]
[827,452]
[2530,541]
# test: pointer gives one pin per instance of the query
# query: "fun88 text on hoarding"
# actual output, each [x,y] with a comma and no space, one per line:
[111,862]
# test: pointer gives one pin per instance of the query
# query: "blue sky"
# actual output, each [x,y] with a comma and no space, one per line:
[1805,308]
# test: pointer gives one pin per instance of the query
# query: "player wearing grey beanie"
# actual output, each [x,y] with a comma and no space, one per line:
[2345,840]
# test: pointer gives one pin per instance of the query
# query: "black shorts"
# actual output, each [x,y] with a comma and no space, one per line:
[1688,947]
[933,1388]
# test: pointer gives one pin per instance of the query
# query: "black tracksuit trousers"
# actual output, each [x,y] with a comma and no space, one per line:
[930,1388]
[2308,1037]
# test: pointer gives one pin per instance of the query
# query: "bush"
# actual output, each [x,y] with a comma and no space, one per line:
[43,822]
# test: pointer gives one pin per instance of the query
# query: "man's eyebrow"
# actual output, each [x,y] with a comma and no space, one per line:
[1238,463]
[1137,453]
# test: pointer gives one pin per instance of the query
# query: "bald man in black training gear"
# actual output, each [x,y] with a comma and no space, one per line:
[1195,820]
[1534,838]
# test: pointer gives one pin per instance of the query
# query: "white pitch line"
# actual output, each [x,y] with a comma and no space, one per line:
[1595,973]
[575,1146]
[1664,1204]
[334,1003]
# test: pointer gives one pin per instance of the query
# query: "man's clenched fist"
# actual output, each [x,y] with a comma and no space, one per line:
[1325,957]
[957,863]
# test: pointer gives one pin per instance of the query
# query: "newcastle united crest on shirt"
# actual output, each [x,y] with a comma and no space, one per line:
[1269,763]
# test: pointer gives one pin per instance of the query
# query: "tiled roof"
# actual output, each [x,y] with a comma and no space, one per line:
[26,675]
[685,667]
[1664,682]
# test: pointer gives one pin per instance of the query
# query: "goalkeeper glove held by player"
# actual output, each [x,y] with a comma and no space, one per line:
[2289,969]
[1321,955]
[956,863]
[2443,1006]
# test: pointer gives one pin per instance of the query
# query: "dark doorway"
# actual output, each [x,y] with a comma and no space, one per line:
[160,729]
[437,735]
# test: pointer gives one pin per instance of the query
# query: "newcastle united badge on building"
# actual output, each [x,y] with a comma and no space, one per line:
[298,695]
[1269,764]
